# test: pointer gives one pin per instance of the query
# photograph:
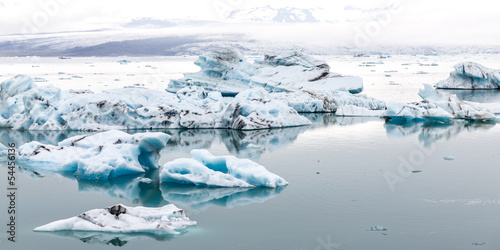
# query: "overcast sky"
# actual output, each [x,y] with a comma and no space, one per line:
[426,20]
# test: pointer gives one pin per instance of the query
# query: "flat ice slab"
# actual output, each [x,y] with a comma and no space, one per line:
[100,156]
[168,219]
[204,169]
[471,75]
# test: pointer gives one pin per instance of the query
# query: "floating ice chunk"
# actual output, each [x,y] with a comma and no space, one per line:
[100,156]
[470,75]
[123,219]
[300,72]
[440,106]
[229,73]
[377,228]
[255,109]
[204,169]
[456,107]
[449,157]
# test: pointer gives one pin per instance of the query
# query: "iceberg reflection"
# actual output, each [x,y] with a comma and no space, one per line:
[200,198]
[143,189]
[430,132]
[114,239]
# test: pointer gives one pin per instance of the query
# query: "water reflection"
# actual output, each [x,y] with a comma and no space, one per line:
[430,132]
[143,189]
[486,95]
[102,238]
[200,198]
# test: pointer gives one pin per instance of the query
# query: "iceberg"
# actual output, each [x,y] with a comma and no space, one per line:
[100,156]
[168,219]
[438,106]
[470,75]
[230,73]
[256,109]
[297,71]
[204,169]
[25,106]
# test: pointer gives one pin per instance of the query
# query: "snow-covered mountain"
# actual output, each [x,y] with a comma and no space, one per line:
[270,14]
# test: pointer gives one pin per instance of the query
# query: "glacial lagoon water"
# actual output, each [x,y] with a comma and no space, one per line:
[346,176]
[350,178]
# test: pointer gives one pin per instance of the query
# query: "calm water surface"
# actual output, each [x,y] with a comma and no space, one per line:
[346,175]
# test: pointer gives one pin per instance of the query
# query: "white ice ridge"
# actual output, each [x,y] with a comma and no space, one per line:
[439,106]
[471,75]
[168,219]
[230,73]
[100,156]
[204,169]
[23,105]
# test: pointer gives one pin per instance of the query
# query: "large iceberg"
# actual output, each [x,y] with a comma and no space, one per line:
[438,106]
[300,72]
[204,169]
[471,75]
[168,219]
[100,156]
[230,73]
[25,106]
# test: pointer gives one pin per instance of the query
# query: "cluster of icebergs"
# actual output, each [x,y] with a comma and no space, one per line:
[115,153]
[228,92]
[268,93]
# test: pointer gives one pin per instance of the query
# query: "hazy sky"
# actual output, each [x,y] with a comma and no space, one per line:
[418,20]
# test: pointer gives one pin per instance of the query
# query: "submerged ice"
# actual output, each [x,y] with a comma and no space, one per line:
[168,219]
[100,156]
[204,169]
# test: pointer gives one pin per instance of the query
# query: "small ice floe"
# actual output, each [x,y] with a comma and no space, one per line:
[39,79]
[204,169]
[449,157]
[377,228]
[124,61]
[168,219]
